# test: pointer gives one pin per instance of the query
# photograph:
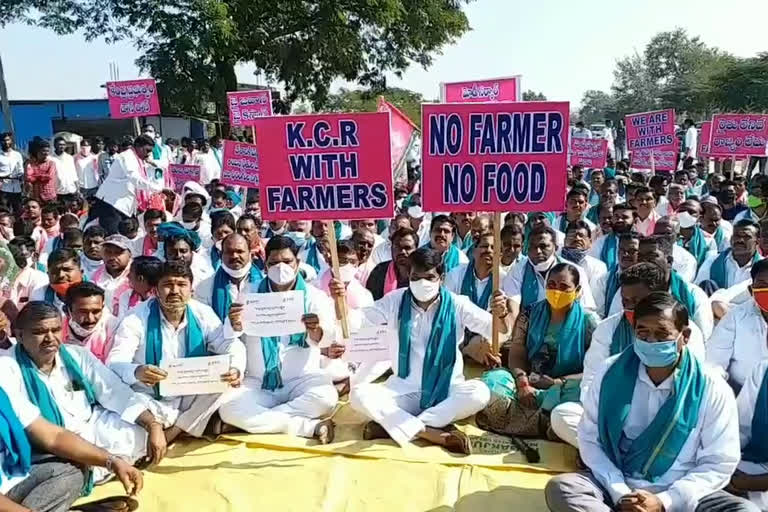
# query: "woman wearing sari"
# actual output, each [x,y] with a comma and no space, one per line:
[545,358]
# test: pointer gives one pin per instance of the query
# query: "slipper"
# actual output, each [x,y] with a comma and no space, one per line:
[111,504]
[373,430]
[458,442]
[325,432]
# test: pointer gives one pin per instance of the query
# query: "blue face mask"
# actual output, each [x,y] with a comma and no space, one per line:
[298,237]
[657,354]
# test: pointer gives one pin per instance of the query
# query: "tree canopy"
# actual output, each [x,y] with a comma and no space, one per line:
[530,95]
[358,100]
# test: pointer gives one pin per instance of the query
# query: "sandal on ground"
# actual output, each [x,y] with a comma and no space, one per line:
[325,432]
[458,442]
[111,504]
[373,430]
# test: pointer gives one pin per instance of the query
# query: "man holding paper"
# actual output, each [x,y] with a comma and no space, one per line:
[166,329]
[427,391]
[284,390]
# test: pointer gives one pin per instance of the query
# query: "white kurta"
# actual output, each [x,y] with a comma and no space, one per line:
[108,283]
[129,351]
[684,263]
[204,290]
[706,461]
[512,285]
[28,280]
[738,343]
[734,274]
[746,403]
[90,266]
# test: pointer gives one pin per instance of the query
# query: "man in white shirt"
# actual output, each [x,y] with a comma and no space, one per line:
[90,399]
[285,390]
[690,143]
[683,262]
[64,271]
[66,173]
[117,198]
[733,265]
[168,327]
[87,166]
[578,241]
[11,172]
[427,391]
[210,165]
[750,476]
[713,225]
[181,245]
[383,251]
[576,206]
[659,431]
[443,230]
[90,323]
[579,132]
[116,253]
[30,278]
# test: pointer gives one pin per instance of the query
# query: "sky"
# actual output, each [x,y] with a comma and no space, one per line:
[560,47]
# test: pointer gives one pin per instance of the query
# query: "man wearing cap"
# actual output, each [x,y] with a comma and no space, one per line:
[116,253]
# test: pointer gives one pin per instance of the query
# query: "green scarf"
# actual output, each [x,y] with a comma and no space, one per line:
[194,341]
[680,291]
[623,336]
[469,288]
[609,253]
[571,338]
[221,302]
[719,235]
[270,351]
[717,271]
[698,246]
[656,449]
[757,448]
[15,443]
[611,287]
[312,255]
[440,353]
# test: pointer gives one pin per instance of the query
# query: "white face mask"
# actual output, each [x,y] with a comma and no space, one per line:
[189,225]
[236,274]
[415,212]
[281,274]
[543,266]
[424,290]
[81,331]
[347,272]
[686,220]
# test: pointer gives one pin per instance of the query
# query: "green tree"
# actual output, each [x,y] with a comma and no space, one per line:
[741,85]
[530,95]
[634,90]
[358,100]
[596,106]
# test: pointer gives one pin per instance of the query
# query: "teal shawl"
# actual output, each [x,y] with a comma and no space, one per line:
[530,287]
[611,287]
[717,271]
[312,259]
[593,214]
[194,341]
[571,338]
[440,353]
[609,253]
[270,345]
[623,336]
[40,396]
[220,300]
[451,258]
[469,288]
[757,448]
[698,246]
[655,450]
[15,445]
[680,291]
[215,258]
[719,235]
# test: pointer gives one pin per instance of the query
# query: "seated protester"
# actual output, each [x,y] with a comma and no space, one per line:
[750,477]
[26,227]
[63,272]
[742,195]
[90,323]
[29,278]
[537,219]
[714,227]
[147,245]
[606,247]
[481,224]
[234,203]
[129,228]
[514,219]
[692,237]
[608,198]
[668,205]
[604,221]
[309,252]
[6,225]
[67,221]
[395,272]
[739,339]
[116,251]
[92,257]
[357,295]
[659,184]
[657,249]
[607,286]
[683,262]
[74,390]
[364,242]
[758,198]
[419,399]
[222,225]
[596,180]
[170,326]
[192,219]
[545,356]
[526,282]
[442,233]
[235,275]
[645,202]
[248,226]
[142,280]
[473,280]
[365,225]
[733,265]
[613,335]
[575,208]
[218,200]
[659,431]
[181,245]
[733,210]
[714,182]
[578,241]
[511,246]
[49,219]
[274,228]
[383,252]
[463,238]
[284,389]
[54,483]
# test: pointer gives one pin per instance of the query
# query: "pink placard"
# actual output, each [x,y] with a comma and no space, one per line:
[651,140]
[247,106]
[133,98]
[326,167]
[589,153]
[705,137]
[183,173]
[240,164]
[482,91]
[401,131]
[497,157]
[739,135]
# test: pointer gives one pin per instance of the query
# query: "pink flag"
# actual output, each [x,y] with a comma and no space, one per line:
[400,131]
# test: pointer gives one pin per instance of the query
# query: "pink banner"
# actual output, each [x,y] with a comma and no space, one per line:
[739,135]
[182,173]
[133,98]
[400,131]
[240,164]
[651,140]
[497,157]
[705,136]
[482,91]
[247,106]
[589,153]
[326,167]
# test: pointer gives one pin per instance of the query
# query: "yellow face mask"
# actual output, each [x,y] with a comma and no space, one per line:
[560,300]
